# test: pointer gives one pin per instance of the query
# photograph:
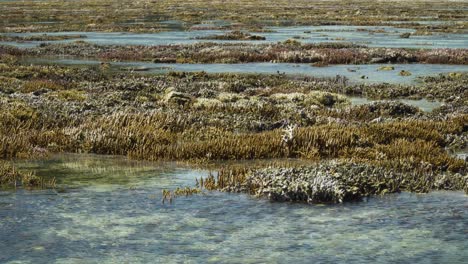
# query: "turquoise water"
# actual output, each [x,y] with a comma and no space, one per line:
[111,213]
[371,36]
[353,72]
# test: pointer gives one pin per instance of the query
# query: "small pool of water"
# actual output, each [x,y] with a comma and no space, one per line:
[423,104]
[461,154]
[368,73]
[371,36]
[112,213]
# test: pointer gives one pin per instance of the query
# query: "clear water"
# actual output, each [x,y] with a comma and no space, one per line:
[315,34]
[461,153]
[428,22]
[353,72]
[113,214]
[422,104]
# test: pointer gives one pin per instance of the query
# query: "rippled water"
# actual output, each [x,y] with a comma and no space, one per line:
[368,73]
[112,213]
[371,36]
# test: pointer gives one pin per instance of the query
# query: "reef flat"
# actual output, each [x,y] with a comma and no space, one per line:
[200,117]
[153,16]
[86,77]
[247,131]
[289,51]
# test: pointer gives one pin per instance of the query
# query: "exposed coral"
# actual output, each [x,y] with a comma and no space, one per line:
[291,51]
[329,182]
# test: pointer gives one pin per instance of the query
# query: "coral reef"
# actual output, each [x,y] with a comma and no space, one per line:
[153,16]
[200,117]
[328,182]
[291,51]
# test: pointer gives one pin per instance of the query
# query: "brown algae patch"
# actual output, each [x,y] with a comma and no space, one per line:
[12,178]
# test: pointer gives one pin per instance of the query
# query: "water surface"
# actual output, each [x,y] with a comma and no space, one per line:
[367,73]
[371,36]
[112,213]
[422,104]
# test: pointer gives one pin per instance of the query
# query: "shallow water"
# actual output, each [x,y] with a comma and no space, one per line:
[422,104]
[353,72]
[461,153]
[429,22]
[113,214]
[363,35]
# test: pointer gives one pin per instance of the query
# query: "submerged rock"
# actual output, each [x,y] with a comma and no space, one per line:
[386,68]
[405,35]
[173,97]
[405,73]
[234,35]
[136,69]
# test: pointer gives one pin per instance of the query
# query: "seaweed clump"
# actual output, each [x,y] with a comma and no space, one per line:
[10,177]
